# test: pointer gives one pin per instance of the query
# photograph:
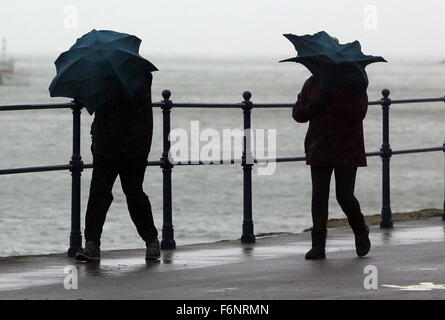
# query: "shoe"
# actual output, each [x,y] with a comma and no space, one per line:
[362,243]
[316,253]
[91,253]
[153,250]
[318,246]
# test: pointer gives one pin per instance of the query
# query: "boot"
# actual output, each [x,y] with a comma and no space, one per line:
[91,252]
[153,251]
[318,246]
[362,243]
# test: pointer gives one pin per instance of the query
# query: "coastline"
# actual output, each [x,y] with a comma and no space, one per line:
[373,220]
[333,223]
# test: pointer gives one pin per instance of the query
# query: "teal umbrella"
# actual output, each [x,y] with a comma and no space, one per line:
[332,63]
[101,66]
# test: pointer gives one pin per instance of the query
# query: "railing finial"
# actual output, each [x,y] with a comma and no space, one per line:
[385,93]
[166,94]
[247,95]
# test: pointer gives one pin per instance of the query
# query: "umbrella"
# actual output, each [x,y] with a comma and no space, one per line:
[333,63]
[101,66]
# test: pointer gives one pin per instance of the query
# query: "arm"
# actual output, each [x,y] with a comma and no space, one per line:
[309,104]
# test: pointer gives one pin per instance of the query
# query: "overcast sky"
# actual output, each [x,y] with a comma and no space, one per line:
[227,27]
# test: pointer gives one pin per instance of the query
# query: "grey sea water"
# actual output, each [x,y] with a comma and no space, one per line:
[207,201]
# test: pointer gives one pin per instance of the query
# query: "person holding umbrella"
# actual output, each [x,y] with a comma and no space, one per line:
[104,71]
[334,101]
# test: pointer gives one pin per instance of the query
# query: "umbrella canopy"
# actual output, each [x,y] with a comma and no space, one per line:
[101,66]
[333,63]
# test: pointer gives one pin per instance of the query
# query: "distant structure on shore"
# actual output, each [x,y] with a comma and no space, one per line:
[6,63]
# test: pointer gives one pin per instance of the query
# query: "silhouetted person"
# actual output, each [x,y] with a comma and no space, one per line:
[334,143]
[121,139]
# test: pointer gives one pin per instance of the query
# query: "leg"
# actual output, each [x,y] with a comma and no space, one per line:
[344,185]
[321,178]
[132,173]
[100,198]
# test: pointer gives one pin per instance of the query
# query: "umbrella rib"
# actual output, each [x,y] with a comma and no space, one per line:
[60,75]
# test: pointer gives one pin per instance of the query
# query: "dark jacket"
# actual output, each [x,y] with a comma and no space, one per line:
[124,129]
[335,134]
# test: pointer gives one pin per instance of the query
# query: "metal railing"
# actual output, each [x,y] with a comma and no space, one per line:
[76,165]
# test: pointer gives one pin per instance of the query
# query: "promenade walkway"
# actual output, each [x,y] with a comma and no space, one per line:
[273,268]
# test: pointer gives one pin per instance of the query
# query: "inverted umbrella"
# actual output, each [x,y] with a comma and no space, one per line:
[101,66]
[332,63]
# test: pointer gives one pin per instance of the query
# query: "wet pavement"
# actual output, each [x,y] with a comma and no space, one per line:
[407,262]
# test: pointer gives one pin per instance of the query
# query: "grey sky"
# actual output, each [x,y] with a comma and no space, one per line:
[229,27]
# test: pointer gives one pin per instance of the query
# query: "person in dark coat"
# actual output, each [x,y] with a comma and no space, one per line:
[333,143]
[121,133]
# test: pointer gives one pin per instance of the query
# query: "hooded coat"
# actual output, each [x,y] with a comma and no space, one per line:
[335,134]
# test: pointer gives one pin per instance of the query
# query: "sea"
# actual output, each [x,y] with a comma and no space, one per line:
[208,200]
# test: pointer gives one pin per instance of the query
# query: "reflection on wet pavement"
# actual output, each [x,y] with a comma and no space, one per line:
[31,278]
[195,257]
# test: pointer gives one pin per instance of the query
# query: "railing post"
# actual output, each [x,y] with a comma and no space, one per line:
[385,154]
[248,235]
[76,169]
[443,210]
[168,239]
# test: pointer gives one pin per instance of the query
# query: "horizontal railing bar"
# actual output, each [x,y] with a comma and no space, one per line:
[421,150]
[442,99]
[301,158]
[155,163]
[35,169]
[59,168]
[373,154]
[283,159]
[370,103]
[201,105]
[283,105]
[205,105]
[272,105]
[150,163]
[203,163]
[35,106]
